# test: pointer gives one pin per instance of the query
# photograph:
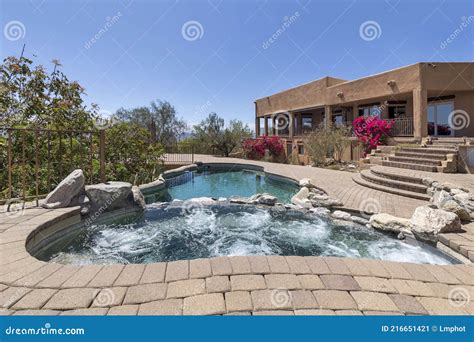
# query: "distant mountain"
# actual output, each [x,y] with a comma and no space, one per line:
[185,135]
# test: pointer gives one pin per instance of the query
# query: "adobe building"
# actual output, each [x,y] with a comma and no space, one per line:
[423,99]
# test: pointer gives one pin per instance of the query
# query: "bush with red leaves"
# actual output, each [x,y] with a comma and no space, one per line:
[255,148]
[371,131]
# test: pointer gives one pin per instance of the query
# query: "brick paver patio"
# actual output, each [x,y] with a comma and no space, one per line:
[231,285]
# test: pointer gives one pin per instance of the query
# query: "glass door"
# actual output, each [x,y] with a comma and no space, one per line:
[438,119]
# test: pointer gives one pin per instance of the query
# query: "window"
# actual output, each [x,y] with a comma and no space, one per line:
[261,126]
[395,112]
[370,110]
[269,125]
[289,149]
[307,123]
[300,149]
[438,118]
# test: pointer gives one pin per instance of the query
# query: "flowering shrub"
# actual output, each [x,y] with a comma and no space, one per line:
[371,131]
[255,148]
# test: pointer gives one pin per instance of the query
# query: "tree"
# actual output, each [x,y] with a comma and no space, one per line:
[213,133]
[160,118]
[30,96]
[67,137]
[130,157]
[327,142]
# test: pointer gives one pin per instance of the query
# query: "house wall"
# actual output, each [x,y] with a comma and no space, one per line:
[465,101]
[413,83]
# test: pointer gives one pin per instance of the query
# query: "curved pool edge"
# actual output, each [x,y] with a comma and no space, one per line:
[160,183]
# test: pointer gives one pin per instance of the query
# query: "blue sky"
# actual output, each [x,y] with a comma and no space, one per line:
[224,61]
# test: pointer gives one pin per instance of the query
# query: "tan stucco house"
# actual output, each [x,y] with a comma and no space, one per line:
[424,99]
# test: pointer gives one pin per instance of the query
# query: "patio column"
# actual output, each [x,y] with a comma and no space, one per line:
[327,116]
[265,125]
[355,112]
[291,128]
[257,126]
[420,113]
[275,131]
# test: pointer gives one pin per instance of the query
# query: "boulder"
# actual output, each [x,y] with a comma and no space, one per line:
[457,208]
[239,200]
[359,220]
[328,203]
[265,199]
[301,198]
[456,191]
[464,198]
[449,186]
[341,215]
[138,197]
[318,197]
[305,182]
[83,201]
[439,197]
[110,195]
[428,222]
[62,195]
[428,181]
[320,211]
[389,223]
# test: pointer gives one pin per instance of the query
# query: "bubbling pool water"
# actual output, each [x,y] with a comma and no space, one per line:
[164,234]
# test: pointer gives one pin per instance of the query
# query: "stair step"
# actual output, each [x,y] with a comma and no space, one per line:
[394,173]
[410,166]
[359,180]
[370,176]
[448,141]
[412,160]
[428,150]
[421,155]
[444,147]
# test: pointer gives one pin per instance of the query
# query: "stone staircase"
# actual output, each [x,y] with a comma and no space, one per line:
[437,157]
[384,179]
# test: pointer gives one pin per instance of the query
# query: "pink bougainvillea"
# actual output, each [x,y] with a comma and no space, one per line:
[371,131]
[255,148]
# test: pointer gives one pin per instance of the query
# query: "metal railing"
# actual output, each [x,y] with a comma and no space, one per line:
[179,154]
[403,127]
[34,161]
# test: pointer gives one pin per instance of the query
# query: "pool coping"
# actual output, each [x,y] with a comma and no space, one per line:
[219,286]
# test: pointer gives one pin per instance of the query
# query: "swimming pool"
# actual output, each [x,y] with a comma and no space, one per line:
[166,233]
[227,184]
